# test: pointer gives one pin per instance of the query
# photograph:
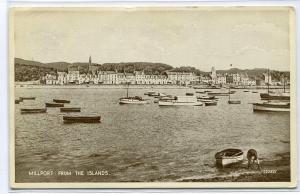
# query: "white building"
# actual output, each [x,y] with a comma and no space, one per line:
[62,78]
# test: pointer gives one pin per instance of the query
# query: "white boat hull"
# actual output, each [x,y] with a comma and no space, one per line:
[133,102]
[224,161]
[174,103]
[269,109]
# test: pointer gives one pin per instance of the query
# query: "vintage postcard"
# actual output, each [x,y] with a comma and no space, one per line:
[152,97]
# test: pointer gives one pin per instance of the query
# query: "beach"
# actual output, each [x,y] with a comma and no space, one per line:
[277,170]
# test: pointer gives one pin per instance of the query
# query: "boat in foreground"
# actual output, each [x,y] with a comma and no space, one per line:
[180,101]
[54,104]
[81,119]
[61,101]
[229,156]
[272,106]
[71,109]
[33,110]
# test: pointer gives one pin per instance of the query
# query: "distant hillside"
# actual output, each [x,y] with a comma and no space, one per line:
[26,70]
[130,67]
[257,73]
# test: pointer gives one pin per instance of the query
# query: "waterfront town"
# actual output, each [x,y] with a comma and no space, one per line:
[74,76]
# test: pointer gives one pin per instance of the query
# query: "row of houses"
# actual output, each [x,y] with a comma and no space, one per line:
[73,76]
[114,77]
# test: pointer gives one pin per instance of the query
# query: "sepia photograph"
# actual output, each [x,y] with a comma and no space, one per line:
[152,97]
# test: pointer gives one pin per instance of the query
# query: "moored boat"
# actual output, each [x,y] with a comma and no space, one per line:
[206,97]
[70,109]
[54,104]
[189,94]
[61,101]
[271,107]
[133,100]
[149,92]
[81,119]
[218,93]
[234,102]
[229,156]
[280,96]
[27,98]
[211,103]
[33,110]
[180,101]
[230,101]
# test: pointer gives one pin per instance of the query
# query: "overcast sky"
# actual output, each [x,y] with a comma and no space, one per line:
[246,38]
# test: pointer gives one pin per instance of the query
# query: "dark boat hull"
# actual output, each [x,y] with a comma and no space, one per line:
[234,102]
[70,109]
[54,105]
[61,101]
[210,103]
[265,107]
[75,119]
[265,96]
[26,98]
[33,111]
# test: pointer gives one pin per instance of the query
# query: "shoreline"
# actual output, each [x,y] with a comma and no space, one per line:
[241,173]
[32,86]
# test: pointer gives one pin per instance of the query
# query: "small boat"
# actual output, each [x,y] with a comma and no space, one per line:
[229,156]
[133,100]
[17,101]
[254,91]
[211,103]
[200,92]
[280,96]
[218,93]
[70,109]
[149,92]
[230,101]
[54,105]
[33,110]
[272,107]
[207,97]
[61,101]
[153,94]
[27,98]
[81,119]
[207,91]
[189,94]
[234,102]
[180,101]
[159,95]
[246,91]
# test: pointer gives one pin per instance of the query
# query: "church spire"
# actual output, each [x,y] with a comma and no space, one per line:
[90,63]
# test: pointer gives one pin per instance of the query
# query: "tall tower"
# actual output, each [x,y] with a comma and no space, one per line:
[213,73]
[90,63]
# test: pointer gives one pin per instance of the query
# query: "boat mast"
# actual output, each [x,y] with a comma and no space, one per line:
[127,88]
[268,85]
[283,84]
[229,92]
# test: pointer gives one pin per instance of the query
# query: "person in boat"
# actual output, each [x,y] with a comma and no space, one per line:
[252,157]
